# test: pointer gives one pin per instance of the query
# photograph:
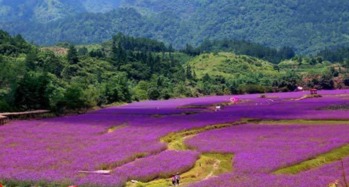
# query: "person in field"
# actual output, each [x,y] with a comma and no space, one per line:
[174,180]
[177,177]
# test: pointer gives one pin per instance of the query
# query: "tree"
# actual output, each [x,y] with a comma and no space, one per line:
[118,53]
[346,81]
[170,49]
[31,92]
[153,93]
[206,78]
[74,97]
[52,64]
[140,91]
[31,60]
[313,61]
[346,64]
[276,68]
[117,89]
[289,81]
[326,80]
[98,53]
[190,50]
[83,51]
[72,55]
[286,53]
[189,74]
[114,54]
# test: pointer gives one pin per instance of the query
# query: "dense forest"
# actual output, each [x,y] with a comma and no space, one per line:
[305,26]
[124,69]
[245,48]
[340,54]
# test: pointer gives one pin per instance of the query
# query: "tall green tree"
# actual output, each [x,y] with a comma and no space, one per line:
[72,55]
[31,60]
[31,92]
[189,72]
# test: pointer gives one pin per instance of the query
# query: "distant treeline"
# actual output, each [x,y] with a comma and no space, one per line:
[335,55]
[127,69]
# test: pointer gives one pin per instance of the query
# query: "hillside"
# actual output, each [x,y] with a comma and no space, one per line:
[308,26]
[249,74]
[230,66]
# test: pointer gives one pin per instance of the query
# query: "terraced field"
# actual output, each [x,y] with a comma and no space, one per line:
[283,139]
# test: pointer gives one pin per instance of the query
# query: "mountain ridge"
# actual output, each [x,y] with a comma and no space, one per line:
[308,27]
[45,11]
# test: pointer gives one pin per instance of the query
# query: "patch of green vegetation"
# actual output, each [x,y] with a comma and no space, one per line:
[179,114]
[304,65]
[305,122]
[318,161]
[181,57]
[175,141]
[245,74]
[309,96]
[90,47]
[16,183]
[205,106]
[230,65]
[209,164]
[114,128]
[335,107]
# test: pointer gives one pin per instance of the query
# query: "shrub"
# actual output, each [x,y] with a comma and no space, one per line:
[346,82]
[153,94]
[4,106]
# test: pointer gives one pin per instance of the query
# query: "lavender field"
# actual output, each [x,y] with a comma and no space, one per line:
[280,139]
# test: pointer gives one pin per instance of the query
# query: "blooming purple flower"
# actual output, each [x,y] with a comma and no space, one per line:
[57,149]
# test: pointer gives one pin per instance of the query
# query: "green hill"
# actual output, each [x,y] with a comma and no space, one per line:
[230,66]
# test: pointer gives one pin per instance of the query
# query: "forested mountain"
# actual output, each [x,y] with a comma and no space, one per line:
[306,26]
[43,11]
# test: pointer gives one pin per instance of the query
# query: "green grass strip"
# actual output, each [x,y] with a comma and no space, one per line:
[175,140]
[335,107]
[42,183]
[329,157]
[208,165]
[306,122]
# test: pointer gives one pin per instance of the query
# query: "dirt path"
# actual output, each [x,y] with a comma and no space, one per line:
[207,166]
[215,168]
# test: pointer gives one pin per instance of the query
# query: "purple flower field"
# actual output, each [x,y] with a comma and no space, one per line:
[261,149]
[58,149]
